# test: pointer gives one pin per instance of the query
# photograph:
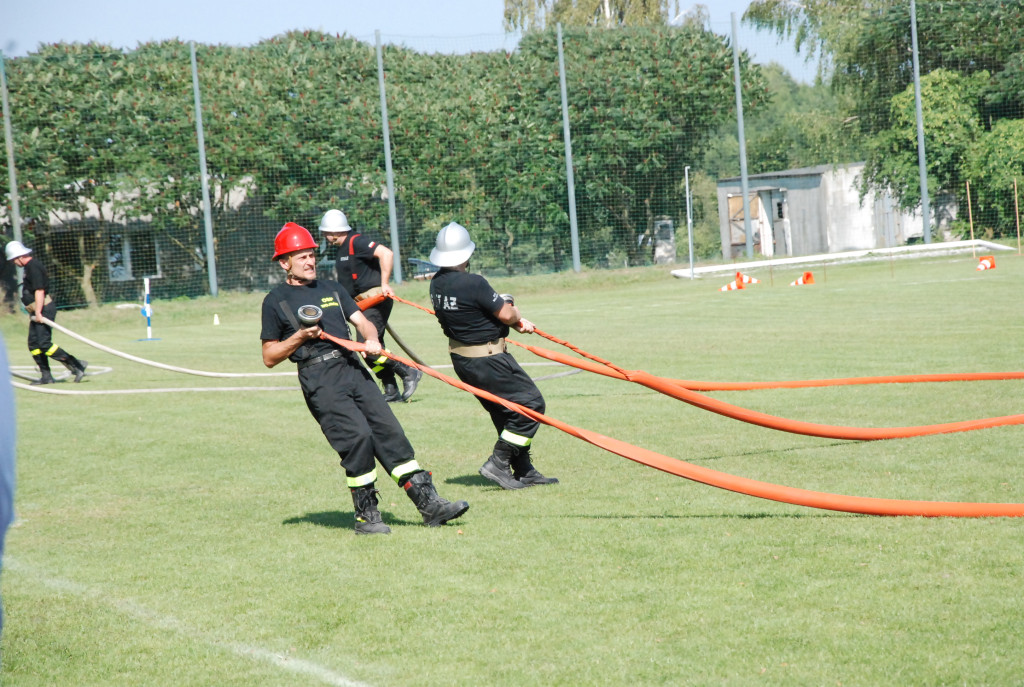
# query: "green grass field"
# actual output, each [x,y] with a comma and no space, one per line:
[206,538]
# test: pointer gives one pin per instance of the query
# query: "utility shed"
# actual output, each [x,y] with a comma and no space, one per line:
[810,211]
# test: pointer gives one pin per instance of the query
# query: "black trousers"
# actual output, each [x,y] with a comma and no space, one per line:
[379,315]
[354,417]
[39,334]
[502,376]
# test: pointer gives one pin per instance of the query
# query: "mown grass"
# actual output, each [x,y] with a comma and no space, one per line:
[205,538]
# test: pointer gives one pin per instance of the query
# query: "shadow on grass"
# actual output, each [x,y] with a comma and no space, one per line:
[332,518]
[471,481]
[343,521]
[791,449]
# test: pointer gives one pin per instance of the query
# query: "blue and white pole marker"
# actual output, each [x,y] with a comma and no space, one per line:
[147,312]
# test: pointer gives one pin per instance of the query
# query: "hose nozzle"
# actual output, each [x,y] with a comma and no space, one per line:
[309,315]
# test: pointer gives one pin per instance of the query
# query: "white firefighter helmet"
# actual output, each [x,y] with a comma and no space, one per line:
[334,221]
[15,249]
[453,246]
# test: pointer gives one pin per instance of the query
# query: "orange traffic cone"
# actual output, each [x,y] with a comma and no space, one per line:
[986,262]
[807,278]
[733,286]
[746,279]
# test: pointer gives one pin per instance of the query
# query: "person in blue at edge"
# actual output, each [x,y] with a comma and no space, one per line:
[6,454]
[340,394]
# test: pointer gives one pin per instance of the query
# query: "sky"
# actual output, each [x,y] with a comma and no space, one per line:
[427,25]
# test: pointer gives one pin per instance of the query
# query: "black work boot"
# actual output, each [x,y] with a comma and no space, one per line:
[497,468]
[75,366]
[368,520]
[410,378]
[80,369]
[44,370]
[523,470]
[391,394]
[435,510]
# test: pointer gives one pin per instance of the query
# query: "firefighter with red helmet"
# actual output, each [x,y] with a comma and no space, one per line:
[476,320]
[35,296]
[340,394]
[364,266]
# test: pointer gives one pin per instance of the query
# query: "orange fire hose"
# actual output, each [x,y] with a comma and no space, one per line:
[371,301]
[800,384]
[675,389]
[741,485]
[681,390]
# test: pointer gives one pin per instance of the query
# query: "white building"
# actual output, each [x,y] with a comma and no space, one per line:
[816,210]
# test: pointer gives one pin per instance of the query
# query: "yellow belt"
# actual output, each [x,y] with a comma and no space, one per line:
[476,350]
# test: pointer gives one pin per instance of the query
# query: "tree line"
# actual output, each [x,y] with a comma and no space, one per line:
[971,62]
[293,126]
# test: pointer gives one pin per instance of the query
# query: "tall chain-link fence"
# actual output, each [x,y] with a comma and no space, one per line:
[108,172]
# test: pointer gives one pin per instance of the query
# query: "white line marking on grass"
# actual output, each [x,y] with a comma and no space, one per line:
[167,622]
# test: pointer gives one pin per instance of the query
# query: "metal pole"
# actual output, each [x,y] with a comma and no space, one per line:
[1016,212]
[12,176]
[570,181]
[922,163]
[744,184]
[211,258]
[689,218]
[396,271]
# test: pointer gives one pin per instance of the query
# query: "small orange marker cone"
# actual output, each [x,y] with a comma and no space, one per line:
[986,262]
[746,279]
[733,286]
[806,278]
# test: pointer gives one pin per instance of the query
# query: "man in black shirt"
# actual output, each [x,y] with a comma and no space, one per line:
[339,392]
[35,296]
[476,320]
[364,266]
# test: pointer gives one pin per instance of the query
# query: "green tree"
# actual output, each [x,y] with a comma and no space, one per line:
[995,167]
[803,126]
[529,15]
[93,125]
[643,105]
[951,123]
[106,140]
[867,45]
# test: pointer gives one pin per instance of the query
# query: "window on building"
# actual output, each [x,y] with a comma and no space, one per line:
[133,256]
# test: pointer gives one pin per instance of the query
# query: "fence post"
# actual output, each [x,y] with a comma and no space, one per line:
[922,163]
[211,258]
[744,183]
[689,218]
[396,271]
[570,181]
[12,176]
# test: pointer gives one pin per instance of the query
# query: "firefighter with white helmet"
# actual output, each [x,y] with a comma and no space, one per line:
[340,394]
[476,320]
[35,296]
[364,266]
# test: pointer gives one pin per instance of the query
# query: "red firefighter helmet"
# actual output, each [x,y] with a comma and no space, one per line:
[292,237]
